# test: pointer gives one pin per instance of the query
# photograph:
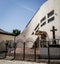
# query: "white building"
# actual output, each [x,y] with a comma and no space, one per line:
[47,16]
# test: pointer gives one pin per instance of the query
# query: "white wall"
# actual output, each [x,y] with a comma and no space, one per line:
[49,6]
[43,11]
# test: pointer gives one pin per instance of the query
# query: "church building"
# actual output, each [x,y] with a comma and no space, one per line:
[45,20]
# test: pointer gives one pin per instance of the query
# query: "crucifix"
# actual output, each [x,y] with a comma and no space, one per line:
[53,32]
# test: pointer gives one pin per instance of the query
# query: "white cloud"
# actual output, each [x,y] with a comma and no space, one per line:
[24,6]
[27,8]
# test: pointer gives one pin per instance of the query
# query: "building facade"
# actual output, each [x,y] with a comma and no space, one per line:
[48,15]
[5,36]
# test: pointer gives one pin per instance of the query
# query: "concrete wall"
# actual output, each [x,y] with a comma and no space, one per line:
[43,11]
[6,37]
[54,52]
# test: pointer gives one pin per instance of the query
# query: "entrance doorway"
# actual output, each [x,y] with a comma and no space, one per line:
[43,38]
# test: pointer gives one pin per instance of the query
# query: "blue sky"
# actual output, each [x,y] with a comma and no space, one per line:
[15,14]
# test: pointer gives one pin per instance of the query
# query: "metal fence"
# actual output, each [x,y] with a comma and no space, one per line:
[50,51]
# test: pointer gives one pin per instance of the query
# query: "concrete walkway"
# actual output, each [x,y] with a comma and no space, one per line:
[18,62]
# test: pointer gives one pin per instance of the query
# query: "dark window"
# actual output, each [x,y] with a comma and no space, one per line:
[36,27]
[43,24]
[50,19]
[50,13]
[43,19]
[32,33]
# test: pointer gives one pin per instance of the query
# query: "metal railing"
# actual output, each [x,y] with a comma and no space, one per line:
[34,49]
[51,47]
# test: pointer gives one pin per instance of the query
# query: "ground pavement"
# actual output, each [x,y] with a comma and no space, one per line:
[18,62]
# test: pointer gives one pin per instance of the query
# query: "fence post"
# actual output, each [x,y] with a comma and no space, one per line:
[14,50]
[35,52]
[6,49]
[48,54]
[24,51]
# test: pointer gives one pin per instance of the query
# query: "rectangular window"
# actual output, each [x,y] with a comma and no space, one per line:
[50,13]
[43,19]
[32,33]
[43,24]
[36,27]
[50,19]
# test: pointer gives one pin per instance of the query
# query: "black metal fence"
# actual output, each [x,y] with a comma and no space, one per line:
[25,53]
[53,51]
[49,50]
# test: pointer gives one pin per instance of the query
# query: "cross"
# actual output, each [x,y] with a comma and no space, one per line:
[53,32]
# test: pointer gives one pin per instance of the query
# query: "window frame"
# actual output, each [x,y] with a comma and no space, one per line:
[43,23]
[43,19]
[50,13]
[51,19]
